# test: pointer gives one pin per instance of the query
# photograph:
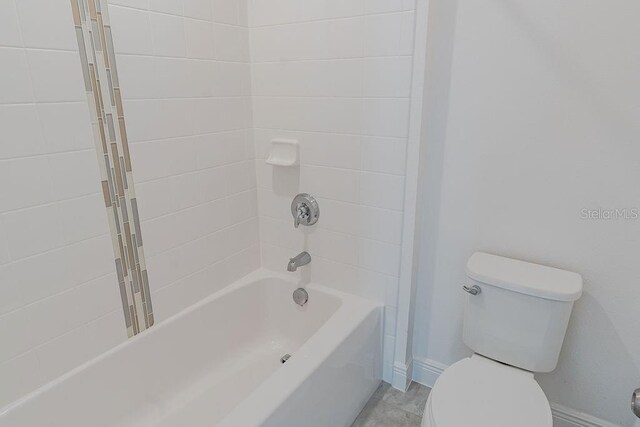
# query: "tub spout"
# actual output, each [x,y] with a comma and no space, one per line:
[298,261]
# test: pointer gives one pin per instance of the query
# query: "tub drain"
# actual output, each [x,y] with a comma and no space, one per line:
[284,358]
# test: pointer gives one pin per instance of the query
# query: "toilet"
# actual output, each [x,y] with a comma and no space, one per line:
[515,319]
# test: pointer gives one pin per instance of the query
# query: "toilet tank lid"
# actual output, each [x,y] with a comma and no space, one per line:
[525,277]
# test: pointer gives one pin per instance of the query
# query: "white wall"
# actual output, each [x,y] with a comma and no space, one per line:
[59,298]
[185,77]
[336,76]
[533,115]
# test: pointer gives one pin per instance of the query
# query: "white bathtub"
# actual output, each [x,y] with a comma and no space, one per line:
[218,363]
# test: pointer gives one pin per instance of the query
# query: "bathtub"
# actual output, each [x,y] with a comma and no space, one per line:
[219,363]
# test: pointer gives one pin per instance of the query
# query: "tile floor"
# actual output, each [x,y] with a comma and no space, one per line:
[389,407]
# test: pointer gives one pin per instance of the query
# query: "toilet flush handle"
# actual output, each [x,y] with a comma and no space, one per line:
[473,290]
[635,403]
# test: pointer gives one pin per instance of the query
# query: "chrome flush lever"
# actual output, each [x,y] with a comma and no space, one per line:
[635,402]
[473,290]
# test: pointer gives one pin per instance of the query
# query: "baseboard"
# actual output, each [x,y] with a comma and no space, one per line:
[426,372]
[567,417]
[402,375]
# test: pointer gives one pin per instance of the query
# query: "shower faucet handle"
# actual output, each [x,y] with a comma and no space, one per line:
[301,215]
[305,210]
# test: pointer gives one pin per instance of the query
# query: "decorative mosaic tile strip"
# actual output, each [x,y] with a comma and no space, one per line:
[105,103]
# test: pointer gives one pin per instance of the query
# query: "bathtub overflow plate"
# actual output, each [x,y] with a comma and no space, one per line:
[300,296]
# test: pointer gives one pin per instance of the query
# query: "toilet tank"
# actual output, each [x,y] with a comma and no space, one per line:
[521,314]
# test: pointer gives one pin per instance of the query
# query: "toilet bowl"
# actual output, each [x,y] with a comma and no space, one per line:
[515,319]
[481,392]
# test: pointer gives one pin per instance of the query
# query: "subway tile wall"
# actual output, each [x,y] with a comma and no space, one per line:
[59,299]
[206,85]
[335,75]
[185,76]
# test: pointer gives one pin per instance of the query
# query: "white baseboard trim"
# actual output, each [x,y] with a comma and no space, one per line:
[571,417]
[402,375]
[426,372]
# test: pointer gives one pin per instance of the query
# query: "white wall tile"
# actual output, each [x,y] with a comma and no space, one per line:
[15,85]
[10,298]
[153,199]
[83,218]
[383,6]
[265,12]
[334,246]
[409,5]
[174,7]
[185,191]
[138,77]
[380,224]
[54,316]
[337,115]
[20,123]
[407,33]
[138,4]
[97,298]
[387,155]
[383,33]
[330,183]
[382,190]
[346,37]
[131,30]
[163,269]
[379,256]
[199,39]
[239,177]
[43,275]
[89,259]
[226,11]
[15,339]
[9,25]
[32,231]
[65,126]
[231,43]
[156,237]
[56,76]
[335,150]
[31,183]
[4,246]
[168,35]
[242,263]
[199,9]
[387,77]
[19,377]
[107,332]
[64,353]
[47,24]
[67,167]
[385,117]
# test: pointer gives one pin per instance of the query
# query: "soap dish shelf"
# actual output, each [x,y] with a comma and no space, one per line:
[284,152]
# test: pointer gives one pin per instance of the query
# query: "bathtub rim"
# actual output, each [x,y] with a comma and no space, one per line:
[345,299]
